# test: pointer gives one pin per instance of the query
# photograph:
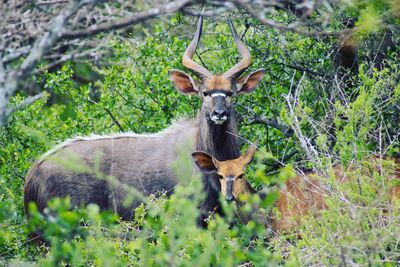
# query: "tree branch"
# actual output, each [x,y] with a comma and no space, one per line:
[115,120]
[111,116]
[9,83]
[57,27]
[294,27]
[116,25]
[292,101]
[287,131]
[26,102]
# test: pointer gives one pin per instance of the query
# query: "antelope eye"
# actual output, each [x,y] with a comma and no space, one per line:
[240,176]
[229,94]
[206,93]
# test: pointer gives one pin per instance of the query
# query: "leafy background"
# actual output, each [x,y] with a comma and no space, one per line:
[133,86]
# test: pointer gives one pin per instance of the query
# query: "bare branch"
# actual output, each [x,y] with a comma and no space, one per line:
[49,38]
[294,27]
[26,102]
[305,142]
[225,6]
[287,131]
[10,81]
[116,25]
[56,2]
[115,120]
[20,52]
[57,28]
[111,116]
[75,55]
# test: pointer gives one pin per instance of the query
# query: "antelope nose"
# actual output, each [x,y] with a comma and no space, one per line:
[229,198]
[219,113]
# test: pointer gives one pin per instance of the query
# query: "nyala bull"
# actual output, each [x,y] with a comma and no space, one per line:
[143,162]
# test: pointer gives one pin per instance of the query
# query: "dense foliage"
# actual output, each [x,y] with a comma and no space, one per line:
[345,124]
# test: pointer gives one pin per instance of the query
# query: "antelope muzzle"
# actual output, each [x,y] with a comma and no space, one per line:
[229,189]
[219,113]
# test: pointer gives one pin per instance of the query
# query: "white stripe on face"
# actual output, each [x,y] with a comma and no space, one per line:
[218,94]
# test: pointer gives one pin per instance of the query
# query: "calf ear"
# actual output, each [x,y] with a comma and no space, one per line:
[204,161]
[183,82]
[249,155]
[247,84]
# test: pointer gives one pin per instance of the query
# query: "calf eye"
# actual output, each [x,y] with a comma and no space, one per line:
[229,94]
[220,177]
[206,94]
[240,176]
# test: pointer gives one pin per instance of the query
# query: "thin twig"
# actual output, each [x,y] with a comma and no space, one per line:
[9,83]
[115,120]
[294,27]
[111,115]
[26,102]
[122,23]
[305,142]
[287,131]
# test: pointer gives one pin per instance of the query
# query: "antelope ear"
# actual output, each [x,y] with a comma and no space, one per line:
[247,84]
[249,155]
[183,82]
[204,161]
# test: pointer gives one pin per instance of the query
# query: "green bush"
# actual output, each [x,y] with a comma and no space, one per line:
[135,89]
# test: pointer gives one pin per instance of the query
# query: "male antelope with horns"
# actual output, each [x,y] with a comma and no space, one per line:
[144,161]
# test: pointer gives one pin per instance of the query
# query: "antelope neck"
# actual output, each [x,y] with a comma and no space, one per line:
[218,140]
